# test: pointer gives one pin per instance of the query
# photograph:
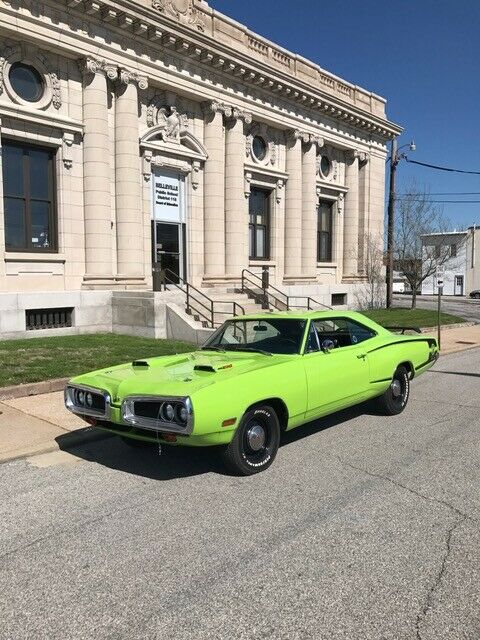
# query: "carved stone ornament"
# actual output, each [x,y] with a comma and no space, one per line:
[127,77]
[147,165]
[279,190]
[67,144]
[91,65]
[247,183]
[340,203]
[170,122]
[195,174]
[181,10]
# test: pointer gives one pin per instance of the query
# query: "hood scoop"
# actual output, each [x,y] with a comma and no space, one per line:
[210,368]
[204,367]
[140,363]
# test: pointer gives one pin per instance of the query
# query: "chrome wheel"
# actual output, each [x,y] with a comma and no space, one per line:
[396,387]
[256,437]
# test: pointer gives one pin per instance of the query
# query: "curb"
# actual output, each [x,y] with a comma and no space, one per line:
[32,388]
[446,327]
[69,440]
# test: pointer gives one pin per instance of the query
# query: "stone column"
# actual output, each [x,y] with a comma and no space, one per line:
[350,231]
[236,216]
[96,168]
[2,212]
[293,206]
[214,192]
[309,209]
[128,201]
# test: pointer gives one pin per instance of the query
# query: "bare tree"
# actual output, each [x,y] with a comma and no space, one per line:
[416,216]
[372,294]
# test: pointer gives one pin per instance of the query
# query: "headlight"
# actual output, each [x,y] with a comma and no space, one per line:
[89,399]
[181,413]
[81,397]
[168,412]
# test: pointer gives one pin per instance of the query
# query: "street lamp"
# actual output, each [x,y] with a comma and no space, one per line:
[394,160]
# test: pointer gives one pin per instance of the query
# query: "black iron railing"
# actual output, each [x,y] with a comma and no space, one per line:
[199,305]
[258,288]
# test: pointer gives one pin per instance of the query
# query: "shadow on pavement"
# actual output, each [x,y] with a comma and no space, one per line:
[456,373]
[179,462]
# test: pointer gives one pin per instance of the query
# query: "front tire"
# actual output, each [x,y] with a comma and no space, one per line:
[395,398]
[255,443]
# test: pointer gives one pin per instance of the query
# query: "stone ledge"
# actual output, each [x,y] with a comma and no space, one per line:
[32,388]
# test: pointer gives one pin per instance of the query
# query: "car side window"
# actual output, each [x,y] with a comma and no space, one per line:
[342,332]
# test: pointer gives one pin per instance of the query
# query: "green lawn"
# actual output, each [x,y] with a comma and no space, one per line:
[410,317]
[38,359]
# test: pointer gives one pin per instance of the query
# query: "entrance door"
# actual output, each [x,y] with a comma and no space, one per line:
[458,286]
[168,228]
[168,258]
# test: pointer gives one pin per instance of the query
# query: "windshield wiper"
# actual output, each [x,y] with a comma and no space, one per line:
[252,350]
[213,349]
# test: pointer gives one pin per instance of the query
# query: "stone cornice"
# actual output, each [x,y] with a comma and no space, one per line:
[268,71]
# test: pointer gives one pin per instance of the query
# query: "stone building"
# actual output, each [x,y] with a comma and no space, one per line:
[144,135]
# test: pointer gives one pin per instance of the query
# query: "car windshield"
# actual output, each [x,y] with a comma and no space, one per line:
[275,335]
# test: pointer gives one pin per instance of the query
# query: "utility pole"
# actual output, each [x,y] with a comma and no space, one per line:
[394,160]
[390,222]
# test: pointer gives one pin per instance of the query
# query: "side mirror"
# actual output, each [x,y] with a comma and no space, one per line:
[327,345]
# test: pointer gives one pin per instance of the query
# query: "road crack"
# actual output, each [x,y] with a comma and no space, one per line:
[438,578]
[460,519]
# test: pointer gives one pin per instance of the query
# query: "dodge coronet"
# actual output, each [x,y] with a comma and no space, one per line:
[256,377]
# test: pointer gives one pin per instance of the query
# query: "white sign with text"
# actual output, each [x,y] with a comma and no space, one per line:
[168,197]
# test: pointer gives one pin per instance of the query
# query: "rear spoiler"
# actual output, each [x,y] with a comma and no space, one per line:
[403,329]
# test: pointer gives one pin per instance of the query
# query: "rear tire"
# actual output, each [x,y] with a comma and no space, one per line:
[395,398]
[255,443]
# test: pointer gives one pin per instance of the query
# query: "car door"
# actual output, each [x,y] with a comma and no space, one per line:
[336,364]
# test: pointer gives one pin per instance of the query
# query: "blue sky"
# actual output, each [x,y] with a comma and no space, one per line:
[423,56]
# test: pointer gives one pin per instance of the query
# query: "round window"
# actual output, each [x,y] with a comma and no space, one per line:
[325,166]
[259,148]
[26,82]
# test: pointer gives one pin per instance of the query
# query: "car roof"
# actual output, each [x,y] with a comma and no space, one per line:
[304,315]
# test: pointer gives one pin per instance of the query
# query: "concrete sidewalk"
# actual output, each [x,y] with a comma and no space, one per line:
[38,424]
[459,339]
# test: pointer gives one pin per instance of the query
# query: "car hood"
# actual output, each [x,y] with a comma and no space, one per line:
[179,375]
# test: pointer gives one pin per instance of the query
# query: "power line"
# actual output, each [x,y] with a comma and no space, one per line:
[407,197]
[434,166]
[445,193]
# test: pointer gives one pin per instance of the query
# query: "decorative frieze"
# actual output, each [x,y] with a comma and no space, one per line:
[181,10]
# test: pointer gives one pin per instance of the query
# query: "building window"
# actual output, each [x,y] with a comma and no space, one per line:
[325,166]
[29,197]
[324,232]
[259,232]
[26,81]
[259,148]
[453,250]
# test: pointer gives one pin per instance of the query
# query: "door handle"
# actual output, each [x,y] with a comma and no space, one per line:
[362,356]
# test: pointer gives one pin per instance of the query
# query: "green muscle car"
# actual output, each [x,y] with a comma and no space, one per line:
[255,377]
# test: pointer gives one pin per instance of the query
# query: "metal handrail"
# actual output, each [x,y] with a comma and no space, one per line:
[266,294]
[207,310]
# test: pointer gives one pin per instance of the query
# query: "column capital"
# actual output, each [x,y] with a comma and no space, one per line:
[214,106]
[241,114]
[355,154]
[90,65]
[126,77]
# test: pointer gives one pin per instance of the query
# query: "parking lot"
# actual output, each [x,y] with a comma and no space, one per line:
[364,527]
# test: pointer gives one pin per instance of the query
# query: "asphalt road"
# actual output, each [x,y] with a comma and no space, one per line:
[365,528]
[464,307]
